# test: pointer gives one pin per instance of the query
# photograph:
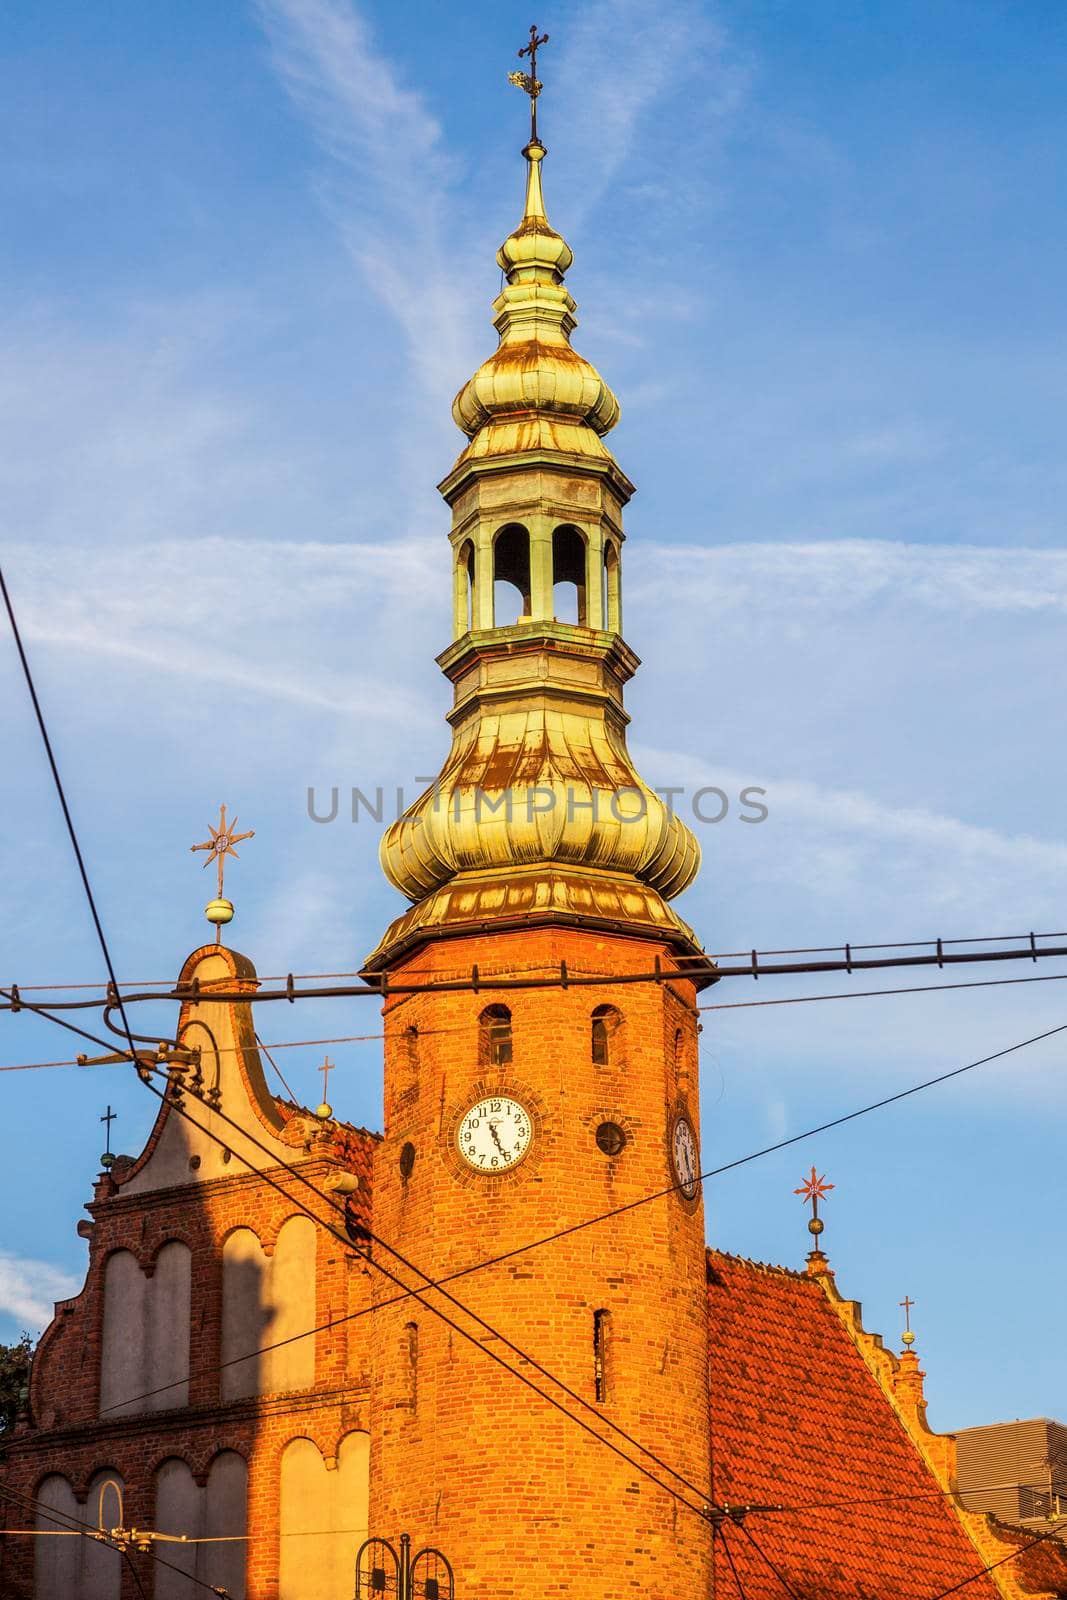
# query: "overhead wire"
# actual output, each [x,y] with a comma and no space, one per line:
[1029,938]
[99,1536]
[701,1177]
[566,978]
[465,1027]
[117,1003]
[409,1292]
[955,1588]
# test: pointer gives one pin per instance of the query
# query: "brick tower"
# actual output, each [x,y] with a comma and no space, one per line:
[510,1115]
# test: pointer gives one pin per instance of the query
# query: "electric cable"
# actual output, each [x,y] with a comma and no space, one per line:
[176,1104]
[1052,1533]
[702,1177]
[118,1004]
[98,1536]
[730,1558]
[409,1293]
[765,1558]
[426,1033]
[714,956]
[566,979]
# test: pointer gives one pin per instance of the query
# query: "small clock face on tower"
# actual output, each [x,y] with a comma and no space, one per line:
[684,1157]
[494,1134]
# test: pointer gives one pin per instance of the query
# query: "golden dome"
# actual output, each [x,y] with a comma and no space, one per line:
[539,815]
[534,370]
[537,778]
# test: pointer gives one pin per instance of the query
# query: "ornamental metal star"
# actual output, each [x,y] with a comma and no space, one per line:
[221,844]
[814,1189]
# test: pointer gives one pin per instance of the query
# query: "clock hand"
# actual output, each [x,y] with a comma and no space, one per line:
[496,1138]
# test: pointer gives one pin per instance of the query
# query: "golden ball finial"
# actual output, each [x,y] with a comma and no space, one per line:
[219,911]
[908,1338]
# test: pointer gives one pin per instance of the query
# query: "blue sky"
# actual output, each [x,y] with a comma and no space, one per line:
[248,258]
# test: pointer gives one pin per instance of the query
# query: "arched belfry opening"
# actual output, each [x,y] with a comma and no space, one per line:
[463,590]
[568,576]
[612,595]
[511,575]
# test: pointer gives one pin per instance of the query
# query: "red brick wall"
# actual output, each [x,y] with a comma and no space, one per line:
[67,1435]
[520,1500]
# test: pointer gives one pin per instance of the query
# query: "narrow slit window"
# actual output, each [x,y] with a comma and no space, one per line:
[601,1325]
[410,1357]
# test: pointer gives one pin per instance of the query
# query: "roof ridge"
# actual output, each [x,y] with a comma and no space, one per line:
[757,1266]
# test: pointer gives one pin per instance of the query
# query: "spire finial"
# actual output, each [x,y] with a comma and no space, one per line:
[218,847]
[907,1337]
[815,1189]
[529,81]
[107,1160]
[325,1110]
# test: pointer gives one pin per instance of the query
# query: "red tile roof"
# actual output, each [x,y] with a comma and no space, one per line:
[799,1420]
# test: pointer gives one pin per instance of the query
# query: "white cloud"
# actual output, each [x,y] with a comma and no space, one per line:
[389,182]
[846,574]
[29,1288]
[244,625]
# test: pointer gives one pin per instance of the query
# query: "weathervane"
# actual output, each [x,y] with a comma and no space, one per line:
[218,847]
[907,1337]
[529,82]
[815,1189]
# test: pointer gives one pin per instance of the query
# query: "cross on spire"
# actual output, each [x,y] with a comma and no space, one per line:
[529,82]
[325,1109]
[107,1159]
[906,1305]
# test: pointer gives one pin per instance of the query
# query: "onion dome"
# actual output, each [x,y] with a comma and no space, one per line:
[534,372]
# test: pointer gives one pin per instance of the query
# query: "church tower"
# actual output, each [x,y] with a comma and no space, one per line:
[516,1114]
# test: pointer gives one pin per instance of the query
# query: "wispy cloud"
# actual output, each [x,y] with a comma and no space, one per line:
[388,179]
[851,573]
[28,1290]
[246,627]
[646,54]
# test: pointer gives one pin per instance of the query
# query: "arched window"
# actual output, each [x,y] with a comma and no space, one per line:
[612,598]
[323,1516]
[264,1303]
[494,1036]
[144,1358]
[568,576]
[679,1053]
[215,1514]
[511,575]
[77,1567]
[464,588]
[605,1025]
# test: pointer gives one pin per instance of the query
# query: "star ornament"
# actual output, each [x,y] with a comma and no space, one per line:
[221,844]
[814,1188]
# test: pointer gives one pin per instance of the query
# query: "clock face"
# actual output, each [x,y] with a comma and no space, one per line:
[684,1155]
[494,1134]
